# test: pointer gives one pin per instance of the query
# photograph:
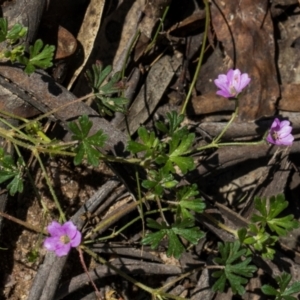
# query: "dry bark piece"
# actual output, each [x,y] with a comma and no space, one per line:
[125,265]
[290,97]
[245,29]
[88,33]
[210,103]
[150,94]
[190,24]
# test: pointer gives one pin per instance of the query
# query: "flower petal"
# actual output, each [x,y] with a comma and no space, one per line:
[70,229]
[55,229]
[232,83]
[51,243]
[223,93]
[231,75]
[285,131]
[63,250]
[288,140]
[245,80]
[76,240]
[270,139]
[284,123]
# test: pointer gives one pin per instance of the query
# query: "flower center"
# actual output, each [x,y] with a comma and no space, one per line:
[275,135]
[233,91]
[65,239]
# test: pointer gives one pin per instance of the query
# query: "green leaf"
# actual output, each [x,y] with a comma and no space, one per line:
[103,92]
[269,212]
[81,131]
[3,29]
[235,268]
[174,121]
[183,228]
[17,31]
[187,201]
[38,57]
[10,170]
[269,290]
[7,174]
[293,289]
[283,225]
[98,75]
[87,144]
[149,143]
[179,144]
[261,240]
[16,185]
[284,292]
[157,181]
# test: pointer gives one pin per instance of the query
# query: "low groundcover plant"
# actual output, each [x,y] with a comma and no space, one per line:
[166,156]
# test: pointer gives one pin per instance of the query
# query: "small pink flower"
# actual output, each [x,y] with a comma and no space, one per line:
[232,83]
[280,133]
[63,237]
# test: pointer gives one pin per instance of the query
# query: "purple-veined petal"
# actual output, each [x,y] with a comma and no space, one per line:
[76,240]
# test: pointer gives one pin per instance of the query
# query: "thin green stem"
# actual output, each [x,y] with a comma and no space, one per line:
[158,30]
[61,213]
[207,20]
[133,42]
[111,218]
[220,225]
[116,233]
[48,114]
[12,116]
[234,115]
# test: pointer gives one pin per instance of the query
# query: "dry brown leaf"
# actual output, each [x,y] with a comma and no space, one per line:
[88,32]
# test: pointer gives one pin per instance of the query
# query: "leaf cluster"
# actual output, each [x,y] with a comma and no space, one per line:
[14,34]
[161,157]
[284,291]
[167,153]
[266,227]
[184,226]
[181,228]
[106,103]
[40,56]
[235,268]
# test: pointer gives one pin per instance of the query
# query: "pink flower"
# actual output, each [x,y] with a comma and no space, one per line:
[280,133]
[232,83]
[63,237]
